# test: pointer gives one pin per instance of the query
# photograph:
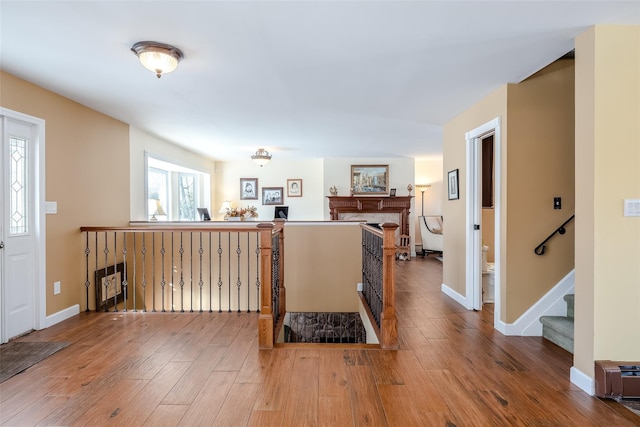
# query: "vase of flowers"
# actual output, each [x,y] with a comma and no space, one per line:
[234,214]
[251,213]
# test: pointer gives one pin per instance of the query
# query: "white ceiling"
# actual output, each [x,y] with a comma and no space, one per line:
[300,78]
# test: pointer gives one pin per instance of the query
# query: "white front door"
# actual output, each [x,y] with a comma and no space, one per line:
[20,229]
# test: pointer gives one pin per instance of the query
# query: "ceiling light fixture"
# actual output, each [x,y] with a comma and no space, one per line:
[160,58]
[262,157]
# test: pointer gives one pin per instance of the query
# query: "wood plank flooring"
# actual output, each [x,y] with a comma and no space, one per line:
[202,369]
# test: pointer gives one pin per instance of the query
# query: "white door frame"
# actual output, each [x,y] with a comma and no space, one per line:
[474,216]
[38,153]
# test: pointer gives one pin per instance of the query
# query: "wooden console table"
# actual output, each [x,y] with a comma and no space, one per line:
[372,204]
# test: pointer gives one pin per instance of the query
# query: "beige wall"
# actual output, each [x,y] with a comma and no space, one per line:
[87,173]
[274,174]
[537,164]
[607,172]
[540,165]
[489,231]
[321,271]
[454,211]
[141,142]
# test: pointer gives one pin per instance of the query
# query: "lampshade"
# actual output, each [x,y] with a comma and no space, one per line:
[226,207]
[262,157]
[157,57]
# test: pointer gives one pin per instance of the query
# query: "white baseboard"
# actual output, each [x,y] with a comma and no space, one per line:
[582,380]
[551,304]
[62,315]
[455,295]
[370,332]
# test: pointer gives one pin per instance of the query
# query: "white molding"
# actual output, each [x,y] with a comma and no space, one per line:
[582,381]
[62,315]
[372,338]
[455,295]
[473,216]
[551,304]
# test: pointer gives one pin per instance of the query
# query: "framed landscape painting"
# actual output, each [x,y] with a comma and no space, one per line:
[370,179]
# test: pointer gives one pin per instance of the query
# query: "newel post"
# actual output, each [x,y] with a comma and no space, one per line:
[265,321]
[388,320]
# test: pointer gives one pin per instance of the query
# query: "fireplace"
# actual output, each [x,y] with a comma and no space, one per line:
[372,209]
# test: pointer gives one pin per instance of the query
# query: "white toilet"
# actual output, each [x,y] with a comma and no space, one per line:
[488,284]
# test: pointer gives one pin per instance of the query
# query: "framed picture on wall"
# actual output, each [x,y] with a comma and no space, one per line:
[248,188]
[453,185]
[370,179]
[108,284]
[272,195]
[294,188]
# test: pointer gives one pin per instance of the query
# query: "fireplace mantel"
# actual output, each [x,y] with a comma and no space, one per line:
[372,204]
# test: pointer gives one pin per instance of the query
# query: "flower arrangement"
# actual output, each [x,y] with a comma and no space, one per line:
[251,212]
[248,212]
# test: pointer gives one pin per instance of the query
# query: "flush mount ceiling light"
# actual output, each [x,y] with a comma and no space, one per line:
[262,157]
[160,58]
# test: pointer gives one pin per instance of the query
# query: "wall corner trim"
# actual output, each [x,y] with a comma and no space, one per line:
[62,315]
[582,381]
[455,295]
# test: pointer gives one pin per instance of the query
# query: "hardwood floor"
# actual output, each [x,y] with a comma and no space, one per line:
[191,369]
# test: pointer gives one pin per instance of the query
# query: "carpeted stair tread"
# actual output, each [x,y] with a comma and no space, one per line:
[559,330]
[570,298]
[562,324]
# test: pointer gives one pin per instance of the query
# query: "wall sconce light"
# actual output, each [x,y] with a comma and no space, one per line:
[262,157]
[160,58]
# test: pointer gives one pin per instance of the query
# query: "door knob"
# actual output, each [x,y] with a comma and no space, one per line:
[1,245]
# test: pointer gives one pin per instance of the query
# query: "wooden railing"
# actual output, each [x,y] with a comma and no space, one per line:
[178,267]
[171,267]
[378,280]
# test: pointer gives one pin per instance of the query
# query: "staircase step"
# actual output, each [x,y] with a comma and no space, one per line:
[558,330]
[569,298]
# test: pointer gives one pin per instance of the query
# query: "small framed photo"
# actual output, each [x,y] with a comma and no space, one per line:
[392,192]
[454,193]
[248,188]
[272,195]
[109,286]
[294,188]
[370,179]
